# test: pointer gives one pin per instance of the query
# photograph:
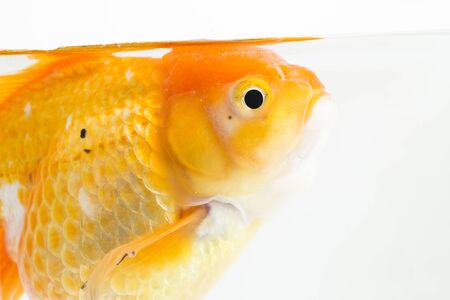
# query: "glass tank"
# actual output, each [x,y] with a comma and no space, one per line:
[292,168]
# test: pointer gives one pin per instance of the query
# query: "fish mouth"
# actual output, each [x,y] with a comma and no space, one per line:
[316,130]
[298,170]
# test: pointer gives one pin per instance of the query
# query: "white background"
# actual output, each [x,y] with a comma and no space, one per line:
[375,225]
[48,24]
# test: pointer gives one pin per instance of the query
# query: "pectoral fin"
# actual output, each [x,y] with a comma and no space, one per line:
[111,276]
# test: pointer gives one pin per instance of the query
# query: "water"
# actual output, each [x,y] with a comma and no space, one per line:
[375,223]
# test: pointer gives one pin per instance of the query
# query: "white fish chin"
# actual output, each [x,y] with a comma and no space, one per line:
[297,172]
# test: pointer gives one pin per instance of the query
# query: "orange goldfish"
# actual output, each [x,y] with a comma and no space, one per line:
[141,177]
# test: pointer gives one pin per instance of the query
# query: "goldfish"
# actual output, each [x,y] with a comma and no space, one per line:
[142,177]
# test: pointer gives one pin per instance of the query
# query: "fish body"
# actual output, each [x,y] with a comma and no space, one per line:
[140,177]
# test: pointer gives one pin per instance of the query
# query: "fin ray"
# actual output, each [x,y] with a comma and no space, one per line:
[125,47]
[121,256]
[45,65]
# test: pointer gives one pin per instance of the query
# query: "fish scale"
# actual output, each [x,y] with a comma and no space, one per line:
[70,241]
[142,178]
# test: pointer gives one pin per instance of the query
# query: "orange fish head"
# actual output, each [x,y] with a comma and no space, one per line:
[233,116]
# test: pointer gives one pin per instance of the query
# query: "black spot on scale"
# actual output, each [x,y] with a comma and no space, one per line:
[122,259]
[230,117]
[87,150]
[83,133]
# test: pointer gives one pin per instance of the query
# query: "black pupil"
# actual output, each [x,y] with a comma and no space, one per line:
[254,99]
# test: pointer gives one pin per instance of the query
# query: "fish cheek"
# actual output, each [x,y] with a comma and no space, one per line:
[191,138]
[247,141]
[265,141]
[288,118]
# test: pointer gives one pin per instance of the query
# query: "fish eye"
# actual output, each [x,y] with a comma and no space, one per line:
[250,95]
[254,98]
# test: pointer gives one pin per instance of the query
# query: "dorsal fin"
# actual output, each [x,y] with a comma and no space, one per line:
[45,64]
[49,60]
[127,47]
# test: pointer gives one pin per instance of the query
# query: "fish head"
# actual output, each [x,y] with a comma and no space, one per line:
[234,117]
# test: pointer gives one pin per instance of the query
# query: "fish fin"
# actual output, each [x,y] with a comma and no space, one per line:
[10,285]
[125,47]
[160,247]
[44,65]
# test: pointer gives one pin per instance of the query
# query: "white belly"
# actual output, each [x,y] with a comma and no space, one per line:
[13,214]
